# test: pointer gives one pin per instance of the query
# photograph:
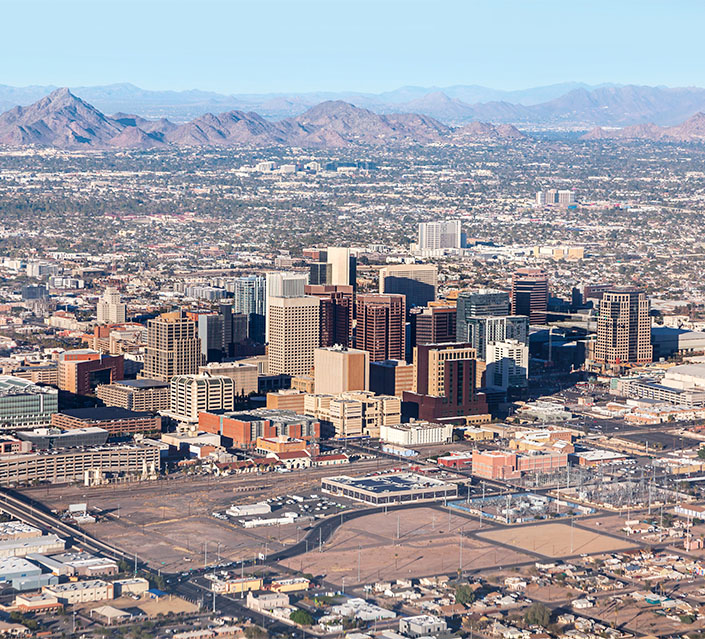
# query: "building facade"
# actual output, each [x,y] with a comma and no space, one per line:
[173,347]
[623,328]
[294,334]
[381,321]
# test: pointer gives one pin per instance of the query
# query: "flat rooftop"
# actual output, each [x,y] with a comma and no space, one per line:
[104,413]
[391,483]
[141,383]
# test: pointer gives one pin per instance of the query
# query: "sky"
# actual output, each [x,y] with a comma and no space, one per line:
[261,46]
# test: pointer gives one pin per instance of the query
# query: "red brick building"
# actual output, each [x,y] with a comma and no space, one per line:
[117,421]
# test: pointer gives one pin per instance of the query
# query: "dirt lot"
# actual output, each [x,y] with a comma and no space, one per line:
[152,607]
[166,523]
[427,545]
[556,540]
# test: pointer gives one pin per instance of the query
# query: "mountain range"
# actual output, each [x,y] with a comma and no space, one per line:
[63,120]
[567,105]
[692,130]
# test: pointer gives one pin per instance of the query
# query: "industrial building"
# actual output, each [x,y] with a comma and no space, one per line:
[393,488]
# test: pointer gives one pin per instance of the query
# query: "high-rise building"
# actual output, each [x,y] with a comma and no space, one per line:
[294,334]
[479,331]
[339,369]
[434,325]
[110,310]
[210,332]
[418,282]
[507,364]
[336,313]
[343,266]
[392,377]
[173,347]
[623,328]
[440,235]
[445,382]
[530,294]
[190,395]
[284,284]
[320,273]
[483,303]
[249,298]
[381,321]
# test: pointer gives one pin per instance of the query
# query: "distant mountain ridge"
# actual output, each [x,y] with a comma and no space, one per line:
[63,120]
[572,105]
[692,130]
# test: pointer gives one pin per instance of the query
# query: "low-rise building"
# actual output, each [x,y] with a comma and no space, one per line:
[422,625]
[117,421]
[140,395]
[81,591]
[390,488]
[416,433]
[42,544]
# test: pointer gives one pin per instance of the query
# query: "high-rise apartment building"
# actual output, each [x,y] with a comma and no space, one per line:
[249,298]
[173,347]
[530,294]
[339,369]
[623,328]
[381,322]
[284,284]
[417,282]
[563,197]
[336,313]
[294,334]
[440,235]
[110,309]
[507,364]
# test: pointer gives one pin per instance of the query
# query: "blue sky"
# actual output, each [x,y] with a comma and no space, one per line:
[241,46]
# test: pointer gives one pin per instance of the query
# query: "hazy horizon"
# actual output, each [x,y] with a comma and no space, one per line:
[271,46]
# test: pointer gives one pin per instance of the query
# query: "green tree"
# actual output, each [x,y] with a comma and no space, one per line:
[464,594]
[302,617]
[538,615]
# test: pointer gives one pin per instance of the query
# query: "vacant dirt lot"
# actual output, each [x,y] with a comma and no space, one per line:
[556,540]
[429,543]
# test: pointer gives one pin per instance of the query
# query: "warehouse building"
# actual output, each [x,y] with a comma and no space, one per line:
[393,488]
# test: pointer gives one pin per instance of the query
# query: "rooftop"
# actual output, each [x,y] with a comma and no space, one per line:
[103,413]
[141,383]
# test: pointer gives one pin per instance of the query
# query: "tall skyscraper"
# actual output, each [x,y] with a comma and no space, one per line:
[530,294]
[417,282]
[624,328]
[343,266]
[381,323]
[294,334]
[173,347]
[440,235]
[284,284]
[336,313]
[110,309]
[250,299]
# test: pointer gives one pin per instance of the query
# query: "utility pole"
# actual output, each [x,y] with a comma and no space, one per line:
[358,563]
[205,554]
